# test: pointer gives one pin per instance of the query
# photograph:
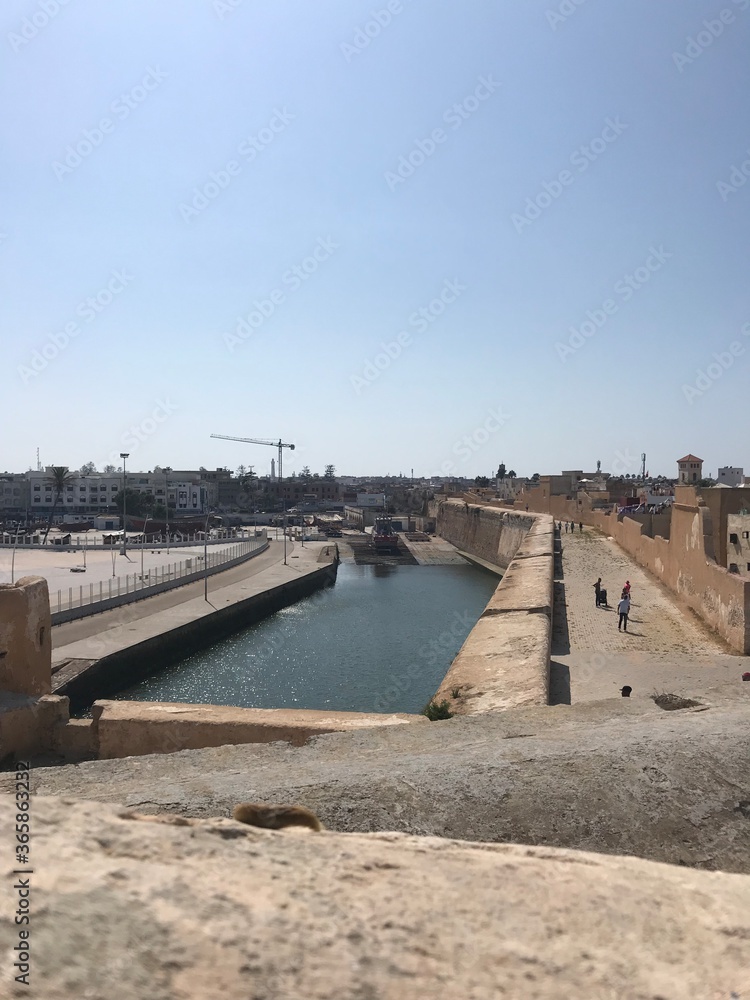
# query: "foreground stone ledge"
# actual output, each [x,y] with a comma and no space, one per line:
[133,728]
[129,908]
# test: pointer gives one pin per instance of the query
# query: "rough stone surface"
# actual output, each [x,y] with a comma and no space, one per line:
[504,663]
[25,643]
[619,776]
[131,908]
[129,728]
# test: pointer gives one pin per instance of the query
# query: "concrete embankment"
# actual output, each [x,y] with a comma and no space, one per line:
[504,662]
[104,663]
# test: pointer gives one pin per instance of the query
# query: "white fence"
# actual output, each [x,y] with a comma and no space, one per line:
[94,597]
[114,538]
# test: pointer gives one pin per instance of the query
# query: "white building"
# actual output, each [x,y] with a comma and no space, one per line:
[95,493]
[371,500]
[729,475]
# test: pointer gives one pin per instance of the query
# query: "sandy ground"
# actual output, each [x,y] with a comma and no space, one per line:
[666,647]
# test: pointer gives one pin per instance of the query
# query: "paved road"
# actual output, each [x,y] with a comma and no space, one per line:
[127,614]
[666,648]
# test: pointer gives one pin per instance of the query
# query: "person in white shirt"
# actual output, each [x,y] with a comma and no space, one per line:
[623,610]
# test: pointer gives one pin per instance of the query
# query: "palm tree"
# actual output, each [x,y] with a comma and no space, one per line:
[59,480]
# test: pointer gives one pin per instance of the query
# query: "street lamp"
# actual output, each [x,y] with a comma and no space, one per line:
[123,456]
[205,559]
[143,542]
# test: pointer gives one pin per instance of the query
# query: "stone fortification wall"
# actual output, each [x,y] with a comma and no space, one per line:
[135,728]
[490,534]
[504,662]
[684,563]
[29,715]
[25,643]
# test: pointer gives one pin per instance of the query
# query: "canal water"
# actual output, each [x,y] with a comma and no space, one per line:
[380,640]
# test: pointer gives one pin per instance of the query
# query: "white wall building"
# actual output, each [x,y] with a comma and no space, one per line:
[96,492]
[729,475]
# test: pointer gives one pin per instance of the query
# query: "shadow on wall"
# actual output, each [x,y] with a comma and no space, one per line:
[559,683]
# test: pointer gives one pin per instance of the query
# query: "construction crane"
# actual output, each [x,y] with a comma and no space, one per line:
[272,444]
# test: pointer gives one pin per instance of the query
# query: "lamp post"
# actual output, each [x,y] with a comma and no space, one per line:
[143,542]
[123,456]
[205,559]
[13,558]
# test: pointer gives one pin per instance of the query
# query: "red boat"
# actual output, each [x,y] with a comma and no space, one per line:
[384,538]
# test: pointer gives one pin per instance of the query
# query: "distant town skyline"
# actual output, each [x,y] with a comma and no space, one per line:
[401,235]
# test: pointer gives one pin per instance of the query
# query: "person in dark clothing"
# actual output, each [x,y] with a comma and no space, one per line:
[598,591]
[580,527]
[625,692]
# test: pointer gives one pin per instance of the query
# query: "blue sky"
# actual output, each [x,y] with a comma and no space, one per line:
[225,217]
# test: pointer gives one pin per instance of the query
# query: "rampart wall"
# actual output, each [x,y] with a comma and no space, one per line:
[504,662]
[684,563]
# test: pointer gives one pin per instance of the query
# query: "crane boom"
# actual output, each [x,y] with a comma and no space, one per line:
[272,444]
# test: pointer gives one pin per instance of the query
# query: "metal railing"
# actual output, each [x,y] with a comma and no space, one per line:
[135,586]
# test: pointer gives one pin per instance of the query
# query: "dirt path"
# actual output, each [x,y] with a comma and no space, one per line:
[666,646]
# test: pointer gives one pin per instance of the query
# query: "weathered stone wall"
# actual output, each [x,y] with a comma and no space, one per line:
[492,534]
[684,563]
[504,662]
[134,728]
[25,643]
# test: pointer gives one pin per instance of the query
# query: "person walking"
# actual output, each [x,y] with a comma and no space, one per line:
[598,591]
[626,589]
[623,610]
[580,527]
[567,527]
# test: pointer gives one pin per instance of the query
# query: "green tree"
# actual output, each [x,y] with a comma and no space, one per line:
[512,474]
[135,503]
[481,481]
[330,472]
[535,478]
[501,471]
[109,469]
[87,468]
[59,480]
[305,475]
